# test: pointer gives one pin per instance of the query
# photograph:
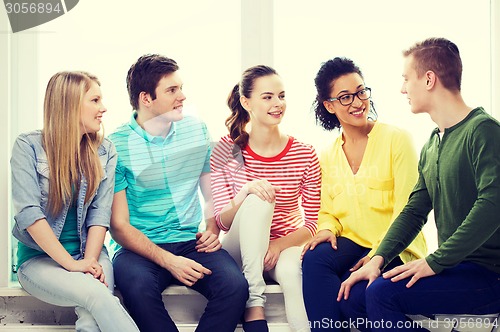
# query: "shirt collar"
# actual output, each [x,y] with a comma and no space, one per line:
[147,136]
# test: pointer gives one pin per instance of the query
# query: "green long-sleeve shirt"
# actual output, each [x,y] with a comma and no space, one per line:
[459,177]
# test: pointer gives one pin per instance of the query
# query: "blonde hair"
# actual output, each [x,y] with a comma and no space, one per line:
[70,155]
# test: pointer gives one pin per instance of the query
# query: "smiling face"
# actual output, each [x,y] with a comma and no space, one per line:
[92,110]
[266,104]
[169,98]
[355,114]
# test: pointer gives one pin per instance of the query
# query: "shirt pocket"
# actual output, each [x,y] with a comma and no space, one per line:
[338,195]
[103,158]
[381,194]
[42,168]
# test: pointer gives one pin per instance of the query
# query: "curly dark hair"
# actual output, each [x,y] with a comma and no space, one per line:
[325,78]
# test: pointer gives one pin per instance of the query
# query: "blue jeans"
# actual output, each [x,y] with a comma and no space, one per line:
[323,270]
[141,283]
[96,307]
[465,289]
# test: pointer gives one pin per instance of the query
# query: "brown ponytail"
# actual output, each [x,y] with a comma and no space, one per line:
[239,117]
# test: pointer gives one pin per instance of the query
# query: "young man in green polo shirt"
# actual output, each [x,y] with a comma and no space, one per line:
[163,159]
[459,177]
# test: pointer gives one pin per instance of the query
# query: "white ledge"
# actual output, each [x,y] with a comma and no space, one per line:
[16,291]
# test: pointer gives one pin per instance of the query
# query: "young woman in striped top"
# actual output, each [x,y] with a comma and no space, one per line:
[266,188]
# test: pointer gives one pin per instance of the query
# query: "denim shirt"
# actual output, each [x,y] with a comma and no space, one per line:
[30,187]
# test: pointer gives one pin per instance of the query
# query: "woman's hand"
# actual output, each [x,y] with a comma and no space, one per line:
[263,189]
[90,266]
[272,256]
[324,235]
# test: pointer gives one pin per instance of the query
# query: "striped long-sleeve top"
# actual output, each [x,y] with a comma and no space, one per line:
[296,170]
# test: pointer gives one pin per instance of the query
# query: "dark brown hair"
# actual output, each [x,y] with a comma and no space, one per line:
[239,117]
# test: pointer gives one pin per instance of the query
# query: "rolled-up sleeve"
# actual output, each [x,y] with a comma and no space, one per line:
[99,212]
[26,195]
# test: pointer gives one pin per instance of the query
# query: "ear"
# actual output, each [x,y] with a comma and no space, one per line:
[245,103]
[430,78]
[145,99]
[329,107]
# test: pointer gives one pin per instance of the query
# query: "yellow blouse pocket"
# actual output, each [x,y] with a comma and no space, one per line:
[381,194]
[337,195]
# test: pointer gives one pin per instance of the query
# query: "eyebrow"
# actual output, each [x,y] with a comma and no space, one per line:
[270,93]
[172,87]
[343,91]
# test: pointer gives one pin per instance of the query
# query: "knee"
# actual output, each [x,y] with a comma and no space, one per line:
[378,291]
[229,284]
[237,288]
[314,259]
[355,305]
[136,286]
[289,273]
[255,202]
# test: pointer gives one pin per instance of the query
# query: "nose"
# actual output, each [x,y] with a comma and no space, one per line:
[279,102]
[403,89]
[182,96]
[103,109]
[357,101]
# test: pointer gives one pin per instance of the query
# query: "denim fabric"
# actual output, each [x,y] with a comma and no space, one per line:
[30,187]
[141,283]
[95,305]
[465,289]
[323,270]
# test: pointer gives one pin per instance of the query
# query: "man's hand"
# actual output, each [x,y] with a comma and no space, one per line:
[362,262]
[370,271]
[186,270]
[415,269]
[323,235]
[207,242]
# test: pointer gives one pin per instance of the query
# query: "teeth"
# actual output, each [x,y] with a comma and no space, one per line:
[357,113]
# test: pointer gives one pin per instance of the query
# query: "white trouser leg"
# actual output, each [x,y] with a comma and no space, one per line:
[288,273]
[247,242]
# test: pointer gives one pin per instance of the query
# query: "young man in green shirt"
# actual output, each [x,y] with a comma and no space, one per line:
[459,177]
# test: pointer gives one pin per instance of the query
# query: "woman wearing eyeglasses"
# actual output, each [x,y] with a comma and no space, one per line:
[367,175]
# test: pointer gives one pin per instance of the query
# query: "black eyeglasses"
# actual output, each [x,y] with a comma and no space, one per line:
[348,98]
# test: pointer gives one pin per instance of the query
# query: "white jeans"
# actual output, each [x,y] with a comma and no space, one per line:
[95,305]
[247,242]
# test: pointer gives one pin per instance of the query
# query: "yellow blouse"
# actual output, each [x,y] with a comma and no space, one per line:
[362,206]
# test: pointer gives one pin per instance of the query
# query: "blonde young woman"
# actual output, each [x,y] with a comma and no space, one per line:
[62,190]
[266,189]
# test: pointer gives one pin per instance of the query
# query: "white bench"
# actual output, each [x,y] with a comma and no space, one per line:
[19,311]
